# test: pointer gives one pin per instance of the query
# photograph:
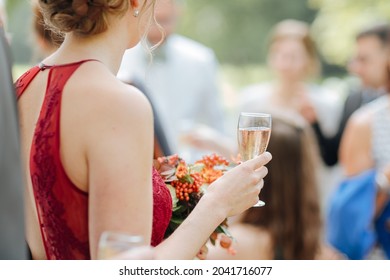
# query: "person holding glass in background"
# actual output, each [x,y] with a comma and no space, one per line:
[97,154]
[294,62]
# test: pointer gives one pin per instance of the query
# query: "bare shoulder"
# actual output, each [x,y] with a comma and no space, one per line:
[104,96]
[355,148]
[111,110]
[359,124]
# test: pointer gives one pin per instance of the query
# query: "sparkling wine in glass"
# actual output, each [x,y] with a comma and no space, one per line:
[112,244]
[254,131]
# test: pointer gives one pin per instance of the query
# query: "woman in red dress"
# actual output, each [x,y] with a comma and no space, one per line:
[87,143]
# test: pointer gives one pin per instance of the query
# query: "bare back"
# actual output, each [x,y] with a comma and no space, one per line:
[73,160]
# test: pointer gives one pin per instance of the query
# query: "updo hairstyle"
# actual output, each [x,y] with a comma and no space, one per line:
[83,17]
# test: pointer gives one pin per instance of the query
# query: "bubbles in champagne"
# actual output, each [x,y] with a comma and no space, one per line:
[253,141]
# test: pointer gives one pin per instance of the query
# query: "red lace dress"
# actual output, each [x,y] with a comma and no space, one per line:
[62,207]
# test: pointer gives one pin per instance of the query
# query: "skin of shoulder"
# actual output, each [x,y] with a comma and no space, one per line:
[355,147]
[114,124]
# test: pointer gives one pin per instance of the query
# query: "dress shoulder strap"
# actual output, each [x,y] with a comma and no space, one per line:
[22,83]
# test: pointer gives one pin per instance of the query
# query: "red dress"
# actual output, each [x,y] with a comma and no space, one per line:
[62,207]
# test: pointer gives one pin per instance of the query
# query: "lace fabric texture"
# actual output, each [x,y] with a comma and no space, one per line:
[63,208]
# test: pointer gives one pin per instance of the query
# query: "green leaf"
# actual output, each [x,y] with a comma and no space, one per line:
[187,178]
[175,200]
[224,230]
[176,220]
[177,208]
[196,168]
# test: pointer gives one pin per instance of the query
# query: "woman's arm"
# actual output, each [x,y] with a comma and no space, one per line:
[119,158]
[119,155]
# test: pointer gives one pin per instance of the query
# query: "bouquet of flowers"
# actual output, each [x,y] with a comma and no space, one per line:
[187,183]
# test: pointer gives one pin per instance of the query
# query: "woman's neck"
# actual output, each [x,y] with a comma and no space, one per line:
[107,47]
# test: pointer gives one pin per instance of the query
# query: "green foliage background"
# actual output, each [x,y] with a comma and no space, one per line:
[238,29]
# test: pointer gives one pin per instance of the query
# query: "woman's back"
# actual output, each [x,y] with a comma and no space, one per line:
[55,151]
[52,188]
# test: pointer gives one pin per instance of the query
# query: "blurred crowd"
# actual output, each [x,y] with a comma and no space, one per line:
[328,187]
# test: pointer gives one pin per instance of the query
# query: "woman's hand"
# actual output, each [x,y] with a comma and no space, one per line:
[233,193]
[239,188]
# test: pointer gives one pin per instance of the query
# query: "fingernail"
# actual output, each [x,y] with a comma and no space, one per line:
[268,155]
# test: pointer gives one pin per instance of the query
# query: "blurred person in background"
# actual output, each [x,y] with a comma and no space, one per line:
[370,67]
[182,83]
[294,62]
[12,238]
[369,64]
[294,231]
[359,211]
[359,214]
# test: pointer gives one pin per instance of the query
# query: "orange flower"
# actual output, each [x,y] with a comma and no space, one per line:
[212,160]
[181,170]
[210,175]
[185,184]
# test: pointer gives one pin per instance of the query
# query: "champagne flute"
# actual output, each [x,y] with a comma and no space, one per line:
[111,244]
[253,131]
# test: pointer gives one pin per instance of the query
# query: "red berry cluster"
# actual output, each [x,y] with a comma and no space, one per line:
[185,188]
[212,160]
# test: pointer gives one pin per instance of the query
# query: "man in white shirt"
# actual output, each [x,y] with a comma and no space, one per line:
[181,80]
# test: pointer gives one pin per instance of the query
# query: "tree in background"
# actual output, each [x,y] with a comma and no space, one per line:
[19,26]
[338,21]
[238,30]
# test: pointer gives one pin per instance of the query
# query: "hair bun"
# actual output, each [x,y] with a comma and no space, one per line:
[80,7]
[83,17]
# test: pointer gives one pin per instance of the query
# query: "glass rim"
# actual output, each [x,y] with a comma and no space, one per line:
[249,114]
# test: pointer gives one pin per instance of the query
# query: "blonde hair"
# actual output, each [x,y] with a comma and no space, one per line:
[300,31]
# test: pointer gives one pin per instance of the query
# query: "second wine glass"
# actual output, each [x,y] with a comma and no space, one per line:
[112,244]
[253,133]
